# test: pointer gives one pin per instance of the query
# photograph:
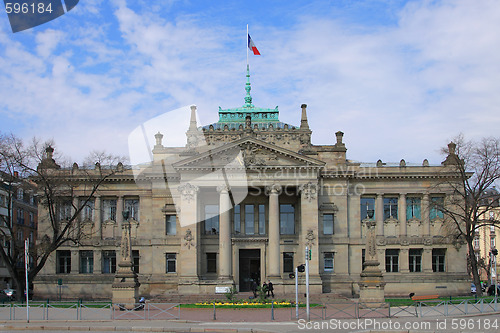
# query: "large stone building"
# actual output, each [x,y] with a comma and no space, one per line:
[243,199]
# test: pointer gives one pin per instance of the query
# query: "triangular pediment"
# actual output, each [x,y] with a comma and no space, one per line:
[249,153]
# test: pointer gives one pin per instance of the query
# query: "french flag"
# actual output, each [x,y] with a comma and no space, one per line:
[252,46]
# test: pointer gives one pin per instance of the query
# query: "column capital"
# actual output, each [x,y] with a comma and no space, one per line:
[273,189]
[402,195]
[188,191]
[223,188]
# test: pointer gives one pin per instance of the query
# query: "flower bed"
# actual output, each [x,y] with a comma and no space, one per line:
[241,304]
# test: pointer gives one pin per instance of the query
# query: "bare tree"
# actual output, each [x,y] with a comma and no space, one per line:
[476,168]
[63,195]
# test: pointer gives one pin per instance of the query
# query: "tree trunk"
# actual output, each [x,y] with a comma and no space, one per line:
[475,273]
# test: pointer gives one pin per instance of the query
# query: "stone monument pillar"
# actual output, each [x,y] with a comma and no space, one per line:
[126,286]
[371,286]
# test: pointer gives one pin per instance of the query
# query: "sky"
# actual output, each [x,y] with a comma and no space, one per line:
[399,78]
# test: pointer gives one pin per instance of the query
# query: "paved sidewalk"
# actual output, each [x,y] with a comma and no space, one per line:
[439,324]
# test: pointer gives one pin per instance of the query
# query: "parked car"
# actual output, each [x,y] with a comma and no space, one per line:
[491,290]
[473,288]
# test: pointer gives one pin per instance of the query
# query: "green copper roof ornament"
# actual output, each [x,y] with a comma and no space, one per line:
[248,97]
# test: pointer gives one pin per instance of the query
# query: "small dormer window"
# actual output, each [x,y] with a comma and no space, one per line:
[20,194]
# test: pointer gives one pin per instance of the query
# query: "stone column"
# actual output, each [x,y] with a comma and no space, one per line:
[274,232]
[402,214]
[309,230]
[97,216]
[188,252]
[379,214]
[119,210]
[425,215]
[354,215]
[427,260]
[225,246]
[75,260]
[404,266]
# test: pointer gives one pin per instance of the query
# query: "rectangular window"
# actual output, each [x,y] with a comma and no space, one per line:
[170,224]
[249,220]
[109,210]
[438,260]
[20,235]
[86,262]
[392,260]
[88,211]
[476,242]
[435,208]
[262,219]
[135,261]
[20,216]
[108,262]
[211,219]
[132,205]
[492,242]
[237,219]
[415,260]
[328,224]
[32,219]
[390,208]
[287,219]
[63,261]
[211,262]
[288,262]
[412,208]
[367,208]
[64,208]
[171,259]
[328,261]
[362,258]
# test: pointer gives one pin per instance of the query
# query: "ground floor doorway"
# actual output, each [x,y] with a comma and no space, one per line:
[249,268]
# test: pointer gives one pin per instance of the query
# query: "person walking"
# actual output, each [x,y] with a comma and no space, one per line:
[253,286]
[270,288]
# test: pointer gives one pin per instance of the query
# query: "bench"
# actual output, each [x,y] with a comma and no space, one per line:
[424,298]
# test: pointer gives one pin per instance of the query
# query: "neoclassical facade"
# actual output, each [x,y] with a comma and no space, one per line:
[242,200]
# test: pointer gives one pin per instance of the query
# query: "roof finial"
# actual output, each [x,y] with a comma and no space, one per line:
[303,119]
[248,97]
[192,123]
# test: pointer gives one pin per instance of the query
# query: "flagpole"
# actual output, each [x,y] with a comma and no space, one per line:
[247,45]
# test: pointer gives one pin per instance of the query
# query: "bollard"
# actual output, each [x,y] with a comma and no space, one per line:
[272,310]
[215,318]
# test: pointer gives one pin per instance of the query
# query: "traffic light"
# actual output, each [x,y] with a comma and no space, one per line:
[301,268]
[494,251]
[291,276]
[308,254]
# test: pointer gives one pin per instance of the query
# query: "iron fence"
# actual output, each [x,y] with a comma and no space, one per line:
[165,311]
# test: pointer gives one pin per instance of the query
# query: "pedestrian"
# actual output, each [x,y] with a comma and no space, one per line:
[253,286]
[270,288]
[264,289]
